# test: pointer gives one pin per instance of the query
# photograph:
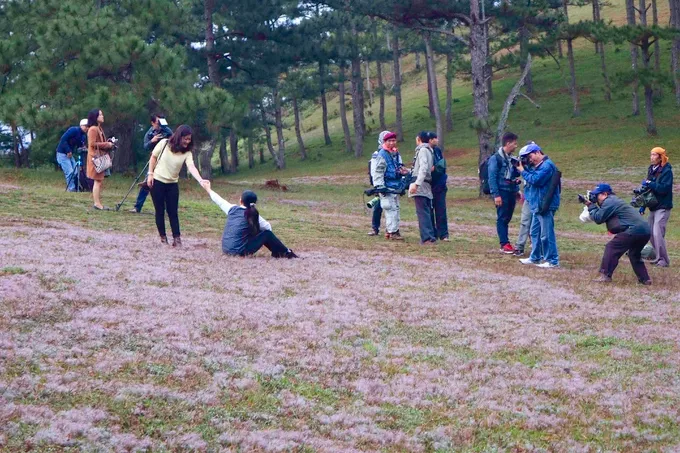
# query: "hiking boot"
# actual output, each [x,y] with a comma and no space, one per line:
[529,261]
[177,242]
[508,249]
[373,233]
[547,265]
[646,282]
[603,279]
[518,252]
[396,236]
[164,240]
[290,254]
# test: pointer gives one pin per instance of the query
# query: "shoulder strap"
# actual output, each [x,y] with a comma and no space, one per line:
[161,153]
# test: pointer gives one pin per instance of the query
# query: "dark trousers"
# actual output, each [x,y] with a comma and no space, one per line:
[377,214]
[440,219]
[268,239]
[620,244]
[141,197]
[166,196]
[424,213]
[504,215]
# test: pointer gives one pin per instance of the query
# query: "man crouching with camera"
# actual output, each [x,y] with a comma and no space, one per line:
[630,229]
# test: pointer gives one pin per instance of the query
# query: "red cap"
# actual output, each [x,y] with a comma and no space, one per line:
[390,136]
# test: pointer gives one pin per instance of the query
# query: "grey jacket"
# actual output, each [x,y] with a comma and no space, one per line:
[629,217]
[422,171]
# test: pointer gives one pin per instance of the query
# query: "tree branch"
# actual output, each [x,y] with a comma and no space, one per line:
[530,100]
[443,32]
[510,99]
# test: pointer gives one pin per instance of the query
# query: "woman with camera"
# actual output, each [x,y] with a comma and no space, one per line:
[629,227]
[660,181]
[97,146]
[167,159]
[246,231]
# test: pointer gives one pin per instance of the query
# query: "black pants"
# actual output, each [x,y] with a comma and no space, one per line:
[268,239]
[620,244]
[166,196]
[440,219]
[425,216]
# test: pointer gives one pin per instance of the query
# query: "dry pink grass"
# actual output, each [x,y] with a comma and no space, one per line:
[467,352]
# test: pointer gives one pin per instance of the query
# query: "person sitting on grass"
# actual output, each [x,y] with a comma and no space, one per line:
[630,229]
[246,231]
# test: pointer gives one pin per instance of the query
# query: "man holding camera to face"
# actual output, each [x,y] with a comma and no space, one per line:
[630,229]
[159,130]
[504,186]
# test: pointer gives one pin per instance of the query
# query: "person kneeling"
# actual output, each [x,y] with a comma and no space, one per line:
[246,231]
[630,229]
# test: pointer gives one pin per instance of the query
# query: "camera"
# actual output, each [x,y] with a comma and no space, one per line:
[587,197]
[114,141]
[372,202]
[515,161]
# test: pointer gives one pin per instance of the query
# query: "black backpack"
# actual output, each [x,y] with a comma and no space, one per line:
[484,173]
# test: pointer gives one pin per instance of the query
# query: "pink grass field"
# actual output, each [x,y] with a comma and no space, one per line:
[109,342]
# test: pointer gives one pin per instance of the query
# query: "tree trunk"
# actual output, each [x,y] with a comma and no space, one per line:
[630,16]
[478,59]
[123,157]
[268,136]
[233,146]
[607,83]
[251,152]
[279,129]
[15,145]
[398,125]
[369,87]
[488,70]
[559,49]
[596,18]
[418,67]
[25,158]
[224,157]
[430,101]
[646,63]
[449,93]
[298,133]
[675,48]
[343,110]
[205,158]
[358,107]
[573,87]
[261,154]
[523,52]
[657,49]
[381,94]
[431,70]
[208,8]
[324,104]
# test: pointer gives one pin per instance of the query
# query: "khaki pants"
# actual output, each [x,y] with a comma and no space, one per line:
[390,204]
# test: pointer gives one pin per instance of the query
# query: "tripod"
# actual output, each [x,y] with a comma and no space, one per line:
[75,175]
[143,172]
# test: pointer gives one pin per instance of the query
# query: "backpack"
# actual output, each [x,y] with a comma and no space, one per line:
[484,173]
[439,167]
[555,185]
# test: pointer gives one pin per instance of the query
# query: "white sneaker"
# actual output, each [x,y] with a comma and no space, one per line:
[547,265]
[528,261]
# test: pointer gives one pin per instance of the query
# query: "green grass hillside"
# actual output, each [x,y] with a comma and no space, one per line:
[605,142]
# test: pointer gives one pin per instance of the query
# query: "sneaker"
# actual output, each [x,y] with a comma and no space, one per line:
[529,261]
[290,254]
[177,242]
[603,279]
[373,233]
[661,264]
[134,211]
[508,249]
[518,252]
[446,239]
[547,265]
[394,236]
[646,282]
[164,240]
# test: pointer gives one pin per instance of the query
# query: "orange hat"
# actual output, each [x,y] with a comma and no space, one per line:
[662,153]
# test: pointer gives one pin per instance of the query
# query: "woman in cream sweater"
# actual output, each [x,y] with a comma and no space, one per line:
[166,162]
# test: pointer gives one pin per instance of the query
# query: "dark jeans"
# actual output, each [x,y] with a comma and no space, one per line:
[166,196]
[377,214]
[141,197]
[620,244]
[440,219]
[504,215]
[268,239]
[424,213]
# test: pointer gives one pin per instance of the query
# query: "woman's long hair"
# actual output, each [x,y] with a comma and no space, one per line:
[92,117]
[253,218]
[175,140]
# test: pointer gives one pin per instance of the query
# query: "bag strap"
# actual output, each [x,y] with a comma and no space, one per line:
[161,153]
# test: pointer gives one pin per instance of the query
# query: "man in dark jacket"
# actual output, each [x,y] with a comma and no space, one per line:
[660,180]
[504,186]
[544,201]
[630,229]
[439,189]
[74,138]
[159,130]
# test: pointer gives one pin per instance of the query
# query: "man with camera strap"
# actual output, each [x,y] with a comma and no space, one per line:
[504,186]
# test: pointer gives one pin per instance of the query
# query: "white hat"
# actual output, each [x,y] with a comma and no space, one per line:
[83,122]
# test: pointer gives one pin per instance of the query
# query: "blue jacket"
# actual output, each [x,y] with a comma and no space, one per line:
[392,176]
[662,185]
[72,139]
[148,145]
[538,181]
[502,178]
[438,180]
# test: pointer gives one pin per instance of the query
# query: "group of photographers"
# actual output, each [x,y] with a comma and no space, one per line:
[426,184]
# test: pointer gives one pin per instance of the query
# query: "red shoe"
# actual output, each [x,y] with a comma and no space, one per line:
[508,249]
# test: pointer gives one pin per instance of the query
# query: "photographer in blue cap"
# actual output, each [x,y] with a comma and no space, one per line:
[631,232]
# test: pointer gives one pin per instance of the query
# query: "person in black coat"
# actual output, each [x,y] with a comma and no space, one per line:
[660,181]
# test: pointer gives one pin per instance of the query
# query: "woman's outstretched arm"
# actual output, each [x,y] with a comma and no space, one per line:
[226,206]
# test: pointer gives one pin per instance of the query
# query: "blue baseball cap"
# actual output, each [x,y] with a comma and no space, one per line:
[528,149]
[602,188]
